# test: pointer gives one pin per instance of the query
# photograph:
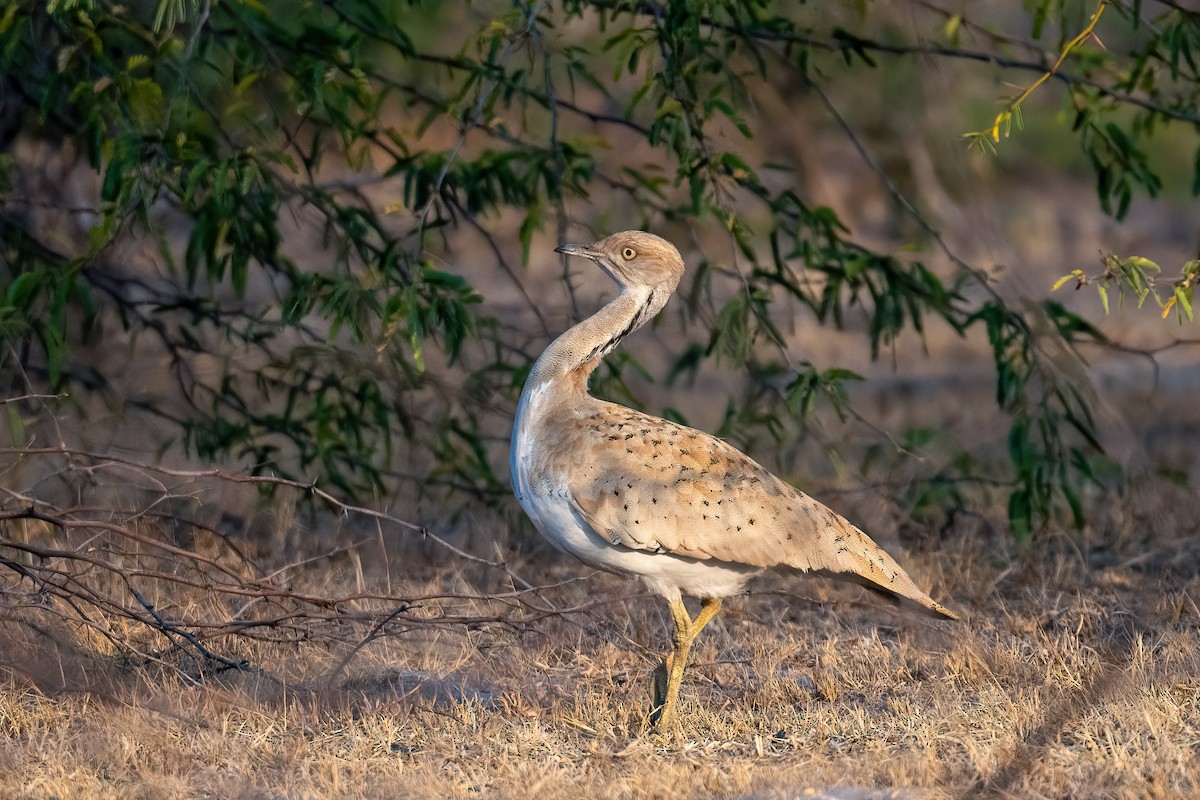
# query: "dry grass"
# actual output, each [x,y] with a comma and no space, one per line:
[1074,674]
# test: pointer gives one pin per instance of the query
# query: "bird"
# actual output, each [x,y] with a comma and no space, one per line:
[684,511]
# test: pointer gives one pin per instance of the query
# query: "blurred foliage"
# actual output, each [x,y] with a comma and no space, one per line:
[1142,278]
[246,139]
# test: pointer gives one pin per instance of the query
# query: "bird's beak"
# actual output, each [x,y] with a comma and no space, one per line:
[586,251]
[592,254]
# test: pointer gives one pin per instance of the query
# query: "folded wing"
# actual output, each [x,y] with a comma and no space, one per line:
[695,496]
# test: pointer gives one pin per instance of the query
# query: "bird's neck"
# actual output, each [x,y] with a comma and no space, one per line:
[574,355]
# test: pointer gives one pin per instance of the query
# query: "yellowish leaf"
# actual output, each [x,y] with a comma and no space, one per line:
[1058,284]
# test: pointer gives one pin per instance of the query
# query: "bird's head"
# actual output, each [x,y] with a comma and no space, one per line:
[633,259]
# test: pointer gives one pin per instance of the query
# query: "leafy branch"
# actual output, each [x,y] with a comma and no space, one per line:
[1143,279]
[988,139]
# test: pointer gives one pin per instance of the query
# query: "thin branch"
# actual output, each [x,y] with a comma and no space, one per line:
[980,275]
[475,116]
[22,398]
[845,41]
[168,628]
[1004,117]
[310,488]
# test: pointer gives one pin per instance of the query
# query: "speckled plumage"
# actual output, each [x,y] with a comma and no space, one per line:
[656,486]
[635,494]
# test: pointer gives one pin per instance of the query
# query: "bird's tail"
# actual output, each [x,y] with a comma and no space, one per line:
[851,555]
[907,596]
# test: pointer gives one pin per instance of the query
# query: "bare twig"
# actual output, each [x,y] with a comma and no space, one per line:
[112,569]
[22,398]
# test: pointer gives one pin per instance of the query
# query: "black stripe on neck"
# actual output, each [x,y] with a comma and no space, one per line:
[635,322]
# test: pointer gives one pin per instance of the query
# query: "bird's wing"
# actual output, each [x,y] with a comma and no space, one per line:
[650,484]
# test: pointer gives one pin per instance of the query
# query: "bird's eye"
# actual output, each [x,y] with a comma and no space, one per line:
[629,254]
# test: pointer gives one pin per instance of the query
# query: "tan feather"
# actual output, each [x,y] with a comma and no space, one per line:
[653,485]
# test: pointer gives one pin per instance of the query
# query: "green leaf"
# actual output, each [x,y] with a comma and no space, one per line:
[16,426]
[529,225]
[1020,513]
[834,374]
[1183,298]
[731,333]
[145,99]
[23,288]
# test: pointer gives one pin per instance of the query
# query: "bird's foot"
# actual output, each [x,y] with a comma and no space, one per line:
[664,730]
[663,724]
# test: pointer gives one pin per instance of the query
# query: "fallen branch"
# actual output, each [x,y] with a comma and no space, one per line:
[116,571]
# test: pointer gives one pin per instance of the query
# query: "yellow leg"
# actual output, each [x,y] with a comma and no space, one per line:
[669,676]
[708,610]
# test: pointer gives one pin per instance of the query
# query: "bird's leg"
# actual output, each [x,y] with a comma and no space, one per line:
[669,676]
[662,673]
[709,609]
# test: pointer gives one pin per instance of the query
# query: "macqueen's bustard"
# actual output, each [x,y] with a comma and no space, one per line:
[634,494]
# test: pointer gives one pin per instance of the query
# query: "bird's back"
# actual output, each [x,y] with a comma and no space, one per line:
[653,485]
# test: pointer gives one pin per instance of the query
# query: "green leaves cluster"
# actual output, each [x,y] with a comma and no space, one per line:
[1142,278]
[1052,440]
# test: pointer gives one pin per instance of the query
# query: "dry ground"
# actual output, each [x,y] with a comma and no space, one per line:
[1075,673]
